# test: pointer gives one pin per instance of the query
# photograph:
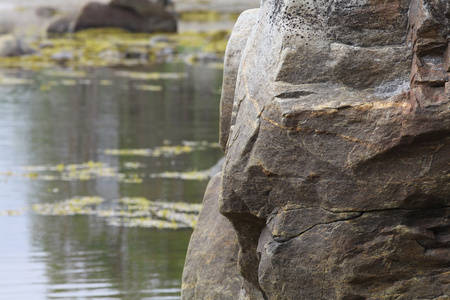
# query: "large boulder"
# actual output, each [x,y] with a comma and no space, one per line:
[337,172]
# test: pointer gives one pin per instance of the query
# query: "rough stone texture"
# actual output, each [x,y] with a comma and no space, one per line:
[233,55]
[210,270]
[337,172]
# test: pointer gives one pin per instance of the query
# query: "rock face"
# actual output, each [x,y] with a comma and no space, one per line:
[211,259]
[337,140]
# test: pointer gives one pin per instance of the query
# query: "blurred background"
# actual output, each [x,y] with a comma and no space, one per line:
[109,119]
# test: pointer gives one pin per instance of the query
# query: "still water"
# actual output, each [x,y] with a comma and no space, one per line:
[105,137]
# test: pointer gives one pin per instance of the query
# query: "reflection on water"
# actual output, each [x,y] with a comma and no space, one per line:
[51,122]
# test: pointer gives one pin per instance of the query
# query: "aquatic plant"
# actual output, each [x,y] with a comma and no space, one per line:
[13,212]
[74,206]
[165,151]
[129,212]
[189,175]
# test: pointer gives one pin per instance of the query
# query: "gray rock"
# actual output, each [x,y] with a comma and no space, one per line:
[233,55]
[61,25]
[63,56]
[46,11]
[11,45]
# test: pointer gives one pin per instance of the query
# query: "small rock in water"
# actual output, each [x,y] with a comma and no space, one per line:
[63,56]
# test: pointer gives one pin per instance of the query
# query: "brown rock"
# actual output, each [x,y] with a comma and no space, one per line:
[210,270]
[142,7]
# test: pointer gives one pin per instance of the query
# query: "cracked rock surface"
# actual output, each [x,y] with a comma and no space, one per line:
[336,127]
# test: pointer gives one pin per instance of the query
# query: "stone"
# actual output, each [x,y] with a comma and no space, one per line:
[46,12]
[233,55]
[142,7]
[11,45]
[337,172]
[61,25]
[63,56]
[95,15]
[210,270]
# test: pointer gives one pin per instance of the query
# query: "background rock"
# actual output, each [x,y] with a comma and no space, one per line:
[142,7]
[46,11]
[95,15]
[62,24]
[11,45]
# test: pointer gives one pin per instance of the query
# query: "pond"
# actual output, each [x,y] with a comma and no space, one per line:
[101,174]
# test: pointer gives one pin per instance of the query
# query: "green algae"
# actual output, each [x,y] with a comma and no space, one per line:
[14,212]
[164,151]
[128,212]
[207,16]
[77,172]
[152,75]
[189,175]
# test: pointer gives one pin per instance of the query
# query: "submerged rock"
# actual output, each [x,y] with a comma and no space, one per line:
[337,173]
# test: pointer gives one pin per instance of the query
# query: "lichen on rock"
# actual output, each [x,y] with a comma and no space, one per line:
[337,172]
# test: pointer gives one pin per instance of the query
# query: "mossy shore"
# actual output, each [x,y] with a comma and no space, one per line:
[115,47]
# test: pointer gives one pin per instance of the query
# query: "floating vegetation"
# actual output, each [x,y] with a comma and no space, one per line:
[13,212]
[82,172]
[129,212]
[15,81]
[133,165]
[164,151]
[148,87]
[152,75]
[191,175]
[66,73]
[98,170]
[74,206]
[106,82]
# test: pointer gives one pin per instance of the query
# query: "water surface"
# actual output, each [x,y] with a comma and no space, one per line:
[69,134]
